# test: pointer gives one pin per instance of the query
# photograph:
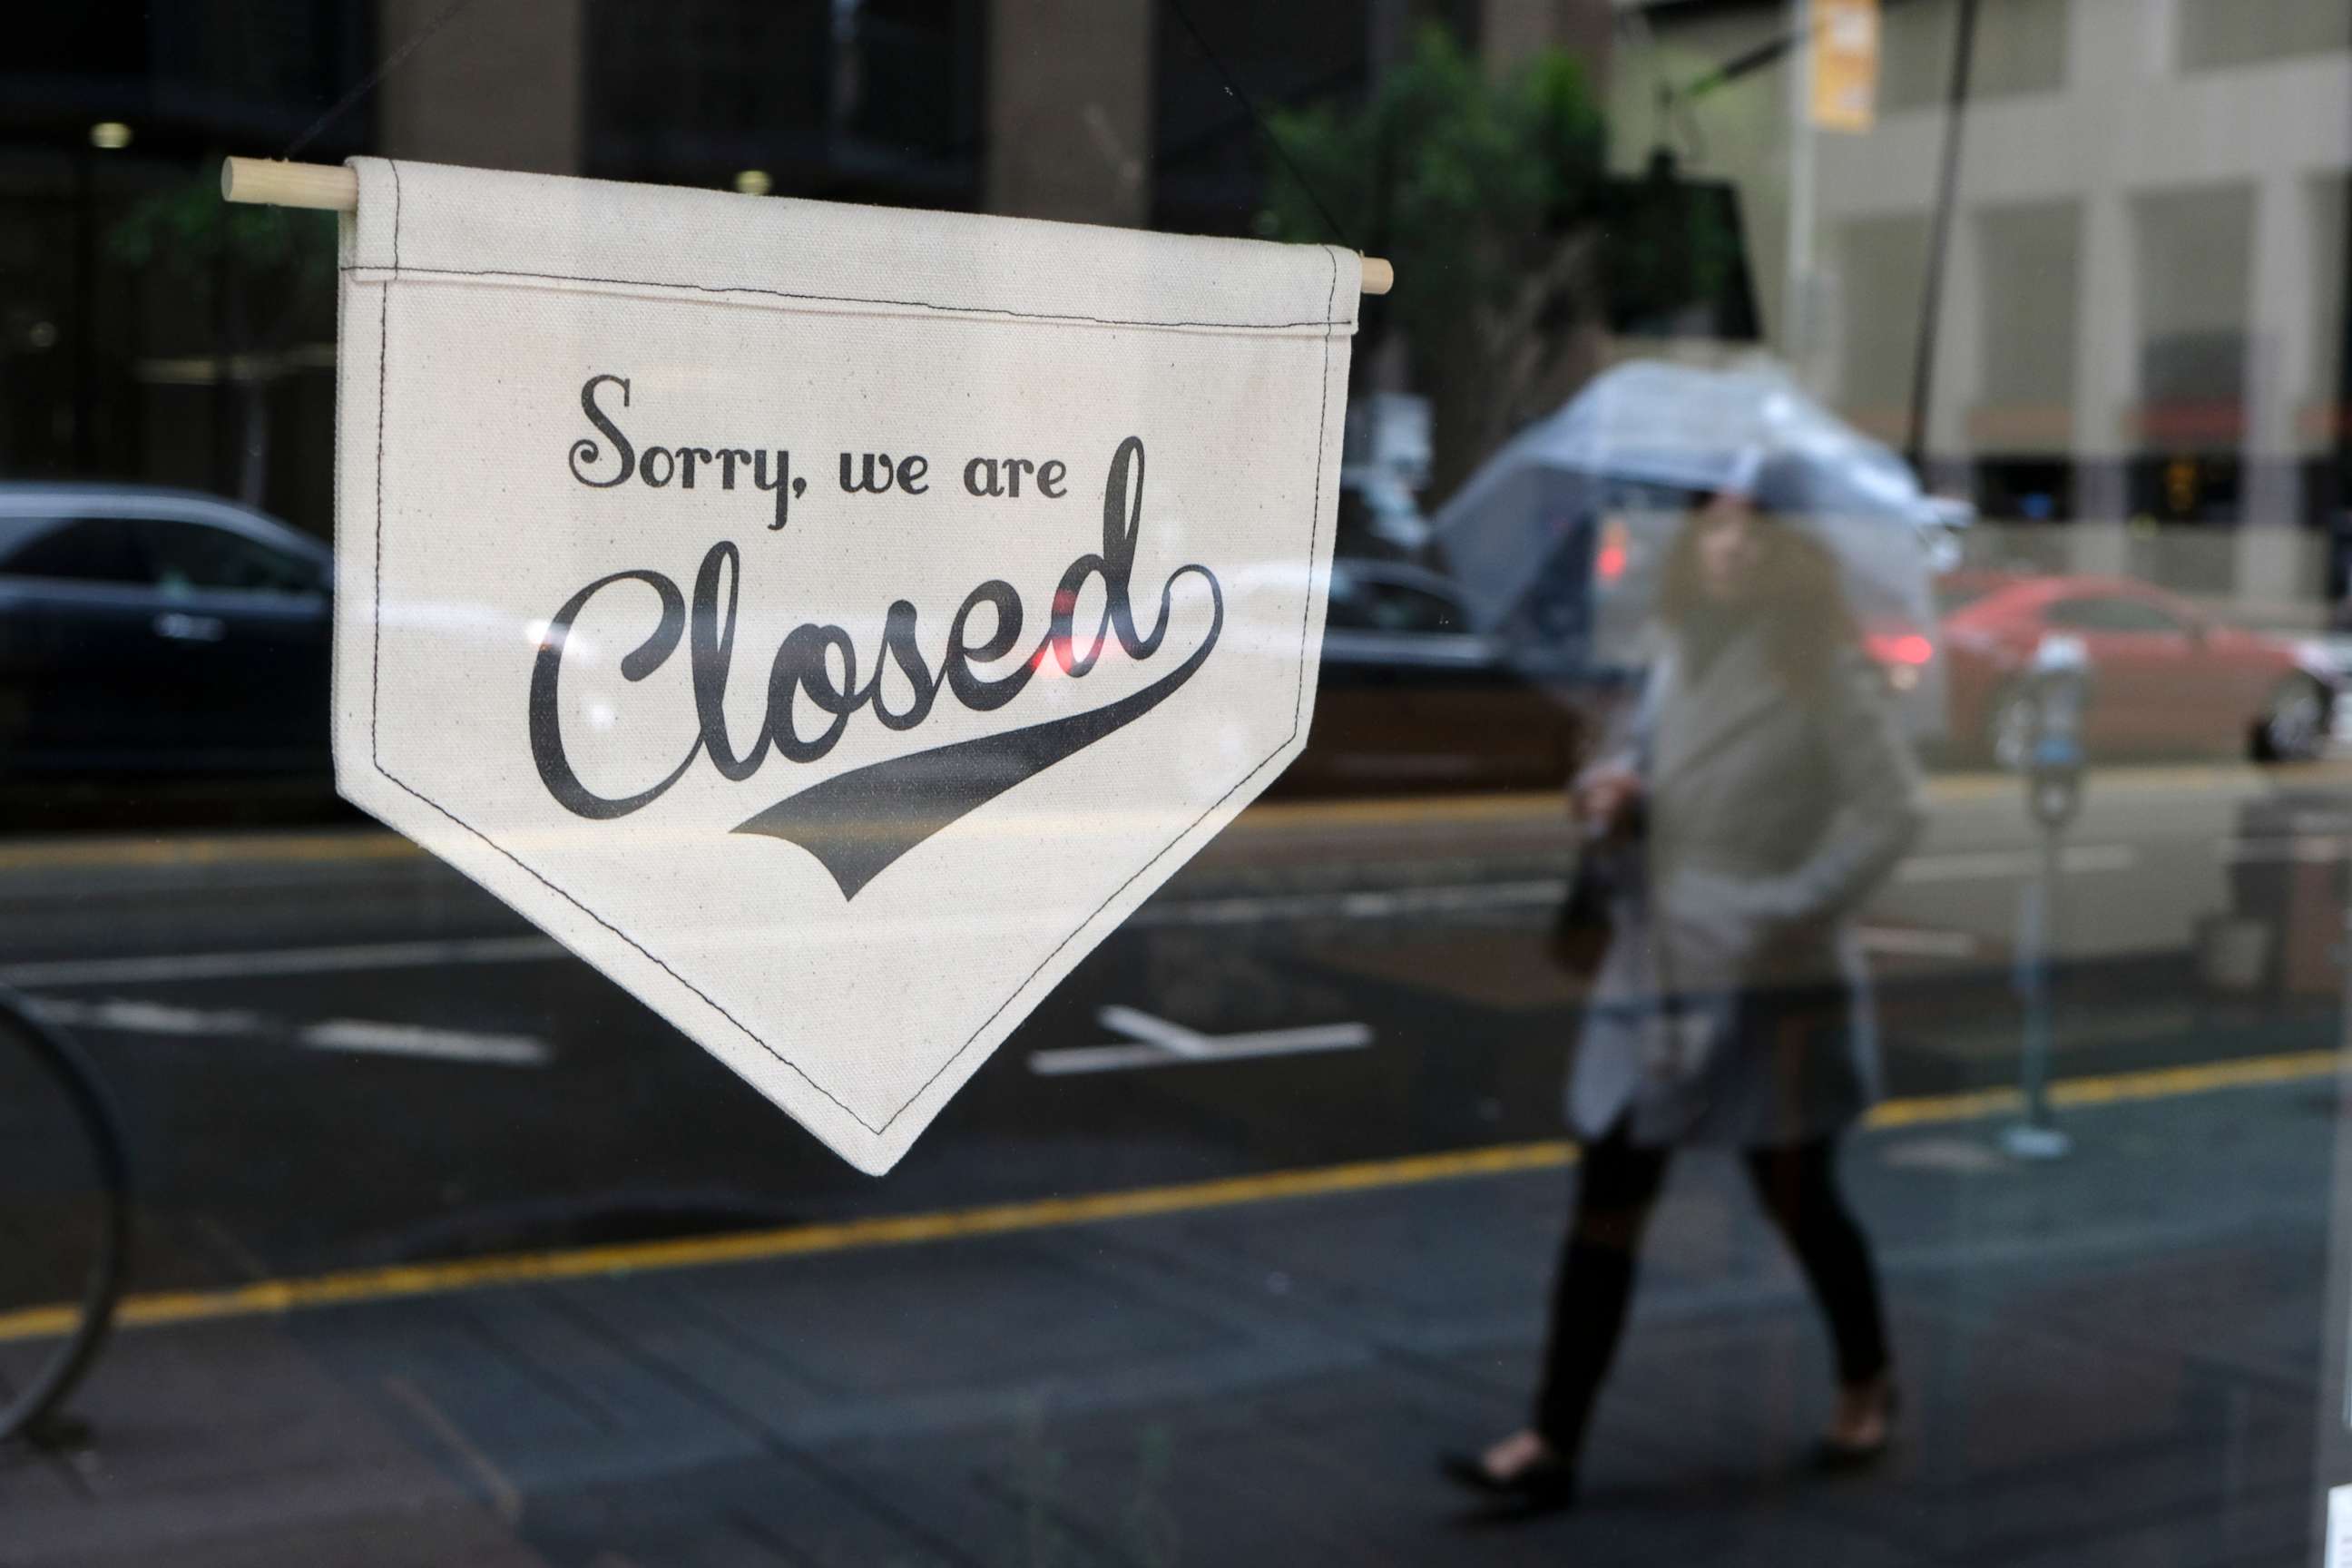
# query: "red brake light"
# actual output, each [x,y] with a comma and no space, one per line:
[1900,647]
[1610,560]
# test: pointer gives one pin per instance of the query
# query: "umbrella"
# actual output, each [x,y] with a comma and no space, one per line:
[1558,536]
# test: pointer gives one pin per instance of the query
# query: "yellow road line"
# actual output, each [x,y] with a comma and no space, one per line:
[271,1298]
[2149,779]
[2203,1078]
[2113,1089]
[225,849]
[368,844]
[1390,811]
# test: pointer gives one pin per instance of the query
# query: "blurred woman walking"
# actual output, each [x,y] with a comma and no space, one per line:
[1766,789]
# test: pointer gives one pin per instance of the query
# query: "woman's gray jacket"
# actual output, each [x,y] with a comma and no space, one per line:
[1732,1006]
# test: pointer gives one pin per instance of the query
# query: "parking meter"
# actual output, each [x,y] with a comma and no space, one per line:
[2059,684]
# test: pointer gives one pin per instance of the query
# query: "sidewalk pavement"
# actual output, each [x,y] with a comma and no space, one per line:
[2109,1359]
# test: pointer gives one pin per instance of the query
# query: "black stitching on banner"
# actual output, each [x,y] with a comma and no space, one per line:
[980,311]
[383,359]
[1315,524]
[375,688]
[1314,534]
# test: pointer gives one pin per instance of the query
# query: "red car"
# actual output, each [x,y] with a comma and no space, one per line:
[2164,676]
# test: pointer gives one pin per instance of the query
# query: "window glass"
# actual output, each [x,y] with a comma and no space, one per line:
[184,556]
[2111,615]
[1764,983]
[2032,259]
[2218,34]
[73,550]
[1958,593]
[2021,47]
[1883,268]
[1370,605]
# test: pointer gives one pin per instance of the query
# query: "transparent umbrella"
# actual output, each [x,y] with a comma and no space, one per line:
[1559,535]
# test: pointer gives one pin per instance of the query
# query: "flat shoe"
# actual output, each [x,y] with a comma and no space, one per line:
[1548,1486]
[1834,1457]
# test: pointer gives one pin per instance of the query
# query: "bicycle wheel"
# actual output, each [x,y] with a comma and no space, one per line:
[65,1216]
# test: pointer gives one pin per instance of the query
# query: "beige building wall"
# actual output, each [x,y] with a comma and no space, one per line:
[2112,113]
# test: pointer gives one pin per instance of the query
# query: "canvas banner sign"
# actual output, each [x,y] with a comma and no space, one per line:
[829,622]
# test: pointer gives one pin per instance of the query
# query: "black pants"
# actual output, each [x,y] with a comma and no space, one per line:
[1616,1189]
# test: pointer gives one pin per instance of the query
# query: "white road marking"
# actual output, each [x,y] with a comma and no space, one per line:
[1156,1043]
[1382,903]
[2338,1553]
[1993,865]
[506,1497]
[124,1016]
[280,961]
[2306,849]
[365,1038]
[1366,904]
[118,1016]
[1909,943]
[1173,1038]
[167,968]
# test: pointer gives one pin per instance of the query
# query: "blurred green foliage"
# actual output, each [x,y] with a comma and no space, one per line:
[1463,182]
[257,279]
[1486,192]
[188,229]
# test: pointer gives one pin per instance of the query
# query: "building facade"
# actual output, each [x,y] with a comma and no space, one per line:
[152,335]
[2141,331]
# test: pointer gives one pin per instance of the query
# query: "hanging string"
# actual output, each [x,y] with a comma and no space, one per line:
[391,63]
[1233,90]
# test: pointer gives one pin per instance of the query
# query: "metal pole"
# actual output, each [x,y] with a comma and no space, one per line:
[1796,287]
[84,346]
[1948,183]
[2036,1137]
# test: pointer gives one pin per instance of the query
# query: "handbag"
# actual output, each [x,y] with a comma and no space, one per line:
[1605,863]
[1580,926]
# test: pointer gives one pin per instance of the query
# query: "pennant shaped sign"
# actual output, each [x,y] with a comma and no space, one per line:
[829,622]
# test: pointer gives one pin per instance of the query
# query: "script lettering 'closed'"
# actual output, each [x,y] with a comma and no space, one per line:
[829,622]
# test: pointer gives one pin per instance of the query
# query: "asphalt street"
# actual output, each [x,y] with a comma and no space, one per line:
[450,1252]
[2110,1360]
[333,1052]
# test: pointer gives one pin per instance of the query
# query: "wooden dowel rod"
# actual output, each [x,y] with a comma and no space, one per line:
[333,188]
[271,184]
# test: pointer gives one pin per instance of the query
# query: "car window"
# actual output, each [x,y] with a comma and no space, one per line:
[2110,615]
[1953,594]
[1361,605]
[189,557]
[71,550]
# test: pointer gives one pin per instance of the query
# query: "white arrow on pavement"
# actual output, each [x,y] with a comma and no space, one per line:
[1155,1042]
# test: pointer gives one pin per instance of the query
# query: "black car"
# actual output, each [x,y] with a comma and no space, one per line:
[1413,698]
[145,630]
